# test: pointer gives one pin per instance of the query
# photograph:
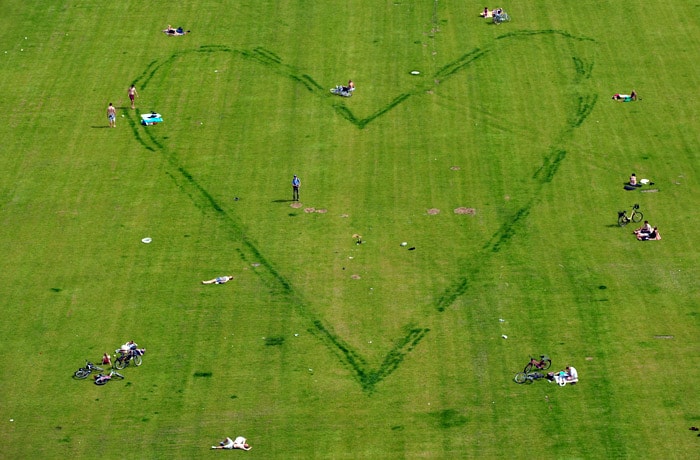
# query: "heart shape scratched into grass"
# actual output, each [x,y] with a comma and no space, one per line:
[367,375]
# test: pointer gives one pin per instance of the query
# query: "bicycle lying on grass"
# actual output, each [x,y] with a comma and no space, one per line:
[623,219]
[83,372]
[542,364]
[102,379]
[528,377]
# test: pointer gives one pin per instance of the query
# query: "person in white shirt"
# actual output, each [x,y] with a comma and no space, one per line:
[127,347]
[219,280]
[571,374]
[238,443]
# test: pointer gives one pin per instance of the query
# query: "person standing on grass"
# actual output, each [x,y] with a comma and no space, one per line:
[112,116]
[296,183]
[132,95]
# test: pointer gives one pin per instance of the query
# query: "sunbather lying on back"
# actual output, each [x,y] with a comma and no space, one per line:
[625,97]
[219,280]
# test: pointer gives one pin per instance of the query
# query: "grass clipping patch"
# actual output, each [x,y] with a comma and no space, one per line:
[469,211]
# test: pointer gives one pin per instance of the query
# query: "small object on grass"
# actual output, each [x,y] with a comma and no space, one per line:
[415,72]
[146,240]
[404,244]
[412,248]
[504,336]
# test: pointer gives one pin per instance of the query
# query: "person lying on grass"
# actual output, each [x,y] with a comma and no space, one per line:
[219,280]
[486,13]
[625,97]
[174,32]
[238,443]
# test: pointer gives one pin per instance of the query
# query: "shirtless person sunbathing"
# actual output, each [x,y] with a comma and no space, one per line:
[219,280]
[486,13]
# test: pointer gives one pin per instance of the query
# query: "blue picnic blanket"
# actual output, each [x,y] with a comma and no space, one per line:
[151,118]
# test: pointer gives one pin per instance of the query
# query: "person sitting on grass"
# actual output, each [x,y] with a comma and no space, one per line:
[652,235]
[569,375]
[350,87]
[219,280]
[127,347]
[644,229]
[633,180]
[486,13]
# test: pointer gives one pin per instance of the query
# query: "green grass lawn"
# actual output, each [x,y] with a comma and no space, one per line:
[321,347]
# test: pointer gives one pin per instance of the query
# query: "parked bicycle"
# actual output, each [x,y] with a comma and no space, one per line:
[541,364]
[623,219]
[102,379]
[124,358]
[89,368]
[528,377]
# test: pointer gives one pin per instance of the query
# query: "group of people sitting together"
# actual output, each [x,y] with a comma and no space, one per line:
[171,31]
[625,97]
[487,13]
[568,375]
[130,348]
[647,232]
